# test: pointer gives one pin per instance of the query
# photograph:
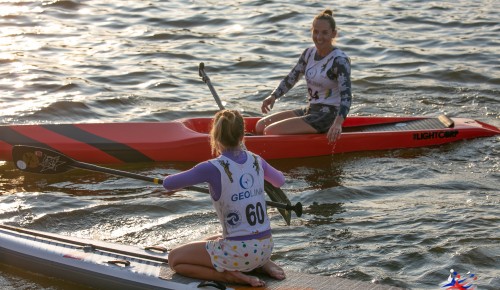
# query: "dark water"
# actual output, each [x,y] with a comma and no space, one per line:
[402,218]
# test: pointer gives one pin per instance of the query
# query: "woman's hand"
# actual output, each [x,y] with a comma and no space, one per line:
[335,130]
[268,104]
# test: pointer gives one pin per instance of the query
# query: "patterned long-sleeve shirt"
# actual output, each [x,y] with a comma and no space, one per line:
[330,86]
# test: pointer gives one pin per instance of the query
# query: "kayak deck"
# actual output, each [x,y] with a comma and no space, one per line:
[187,140]
[113,266]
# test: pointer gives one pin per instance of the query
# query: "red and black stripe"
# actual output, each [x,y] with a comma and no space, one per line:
[120,151]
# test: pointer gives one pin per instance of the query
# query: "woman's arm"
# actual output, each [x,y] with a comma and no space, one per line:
[341,72]
[273,175]
[202,172]
[286,84]
[292,78]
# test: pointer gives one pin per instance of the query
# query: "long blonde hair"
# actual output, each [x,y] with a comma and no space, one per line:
[228,129]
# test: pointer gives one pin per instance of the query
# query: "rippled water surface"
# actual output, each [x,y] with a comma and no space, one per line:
[401,218]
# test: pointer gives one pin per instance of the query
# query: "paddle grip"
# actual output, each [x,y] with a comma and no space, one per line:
[206,79]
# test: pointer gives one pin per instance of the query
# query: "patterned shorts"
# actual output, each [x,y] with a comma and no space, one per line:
[243,256]
[319,116]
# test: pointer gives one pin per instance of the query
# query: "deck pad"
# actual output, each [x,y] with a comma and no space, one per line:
[413,125]
[294,281]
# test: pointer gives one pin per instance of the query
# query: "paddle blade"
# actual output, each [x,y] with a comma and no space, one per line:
[40,160]
[277,195]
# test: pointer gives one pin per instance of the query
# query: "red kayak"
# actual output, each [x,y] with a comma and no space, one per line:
[187,139]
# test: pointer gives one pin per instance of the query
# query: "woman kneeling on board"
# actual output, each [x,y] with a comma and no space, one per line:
[236,182]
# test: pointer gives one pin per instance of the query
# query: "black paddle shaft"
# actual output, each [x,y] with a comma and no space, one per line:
[45,161]
[206,79]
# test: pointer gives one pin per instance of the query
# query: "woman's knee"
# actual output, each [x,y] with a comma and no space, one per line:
[172,258]
[269,130]
[263,123]
[193,254]
[260,126]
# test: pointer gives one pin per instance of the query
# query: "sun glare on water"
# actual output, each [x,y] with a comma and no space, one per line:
[8,10]
[233,29]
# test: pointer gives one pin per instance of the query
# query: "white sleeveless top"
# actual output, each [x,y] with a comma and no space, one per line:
[321,89]
[241,207]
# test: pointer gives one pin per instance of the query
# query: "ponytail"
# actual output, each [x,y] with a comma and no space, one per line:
[227,131]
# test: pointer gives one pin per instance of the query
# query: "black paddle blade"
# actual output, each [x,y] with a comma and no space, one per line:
[277,195]
[40,160]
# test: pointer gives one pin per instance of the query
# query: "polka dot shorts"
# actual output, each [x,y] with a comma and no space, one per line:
[243,256]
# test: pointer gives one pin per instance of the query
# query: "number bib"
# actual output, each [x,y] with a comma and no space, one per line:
[321,89]
[241,207]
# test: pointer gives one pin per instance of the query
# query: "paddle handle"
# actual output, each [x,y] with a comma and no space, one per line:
[206,79]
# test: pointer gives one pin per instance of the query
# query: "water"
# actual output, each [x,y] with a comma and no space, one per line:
[402,218]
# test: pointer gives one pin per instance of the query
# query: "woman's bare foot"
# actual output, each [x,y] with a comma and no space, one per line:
[273,270]
[238,277]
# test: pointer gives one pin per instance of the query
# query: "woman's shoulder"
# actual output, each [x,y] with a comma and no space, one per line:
[340,57]
[254,155]
[307,53]
[309,50]
[205,166]
[338,52]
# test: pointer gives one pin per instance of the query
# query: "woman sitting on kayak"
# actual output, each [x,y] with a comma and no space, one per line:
[327,71]
[236,182]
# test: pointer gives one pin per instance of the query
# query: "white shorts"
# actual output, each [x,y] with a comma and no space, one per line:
[243,256]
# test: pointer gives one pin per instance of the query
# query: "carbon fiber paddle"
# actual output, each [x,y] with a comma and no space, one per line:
[45,161]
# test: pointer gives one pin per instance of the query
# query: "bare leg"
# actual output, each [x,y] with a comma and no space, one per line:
[205,273]
[192,260]
[295,125]
[268,120]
